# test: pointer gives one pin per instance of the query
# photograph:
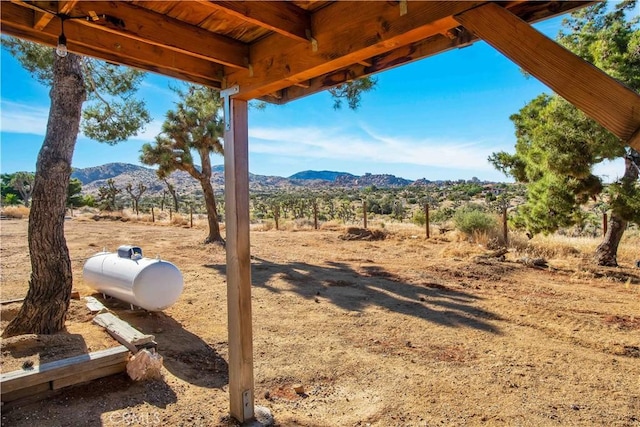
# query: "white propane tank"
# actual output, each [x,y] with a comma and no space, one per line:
[152,284]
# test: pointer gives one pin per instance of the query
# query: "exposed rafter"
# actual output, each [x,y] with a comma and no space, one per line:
[345,33]
[18,21]
[385,61]
[42,19]
[154,28]
[283,17]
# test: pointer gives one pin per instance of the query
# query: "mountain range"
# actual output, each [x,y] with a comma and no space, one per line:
[124,173]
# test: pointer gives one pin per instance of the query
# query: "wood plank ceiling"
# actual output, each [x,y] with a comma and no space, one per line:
[275,50]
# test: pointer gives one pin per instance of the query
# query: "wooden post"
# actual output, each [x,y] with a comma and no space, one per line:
[426,220]
[153,215]
[170,215]
[236,173]
[505,229]
[315,215]
[364,211]
[605,223]
[191,216]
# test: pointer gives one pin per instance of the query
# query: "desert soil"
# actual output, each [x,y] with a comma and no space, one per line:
[398,332]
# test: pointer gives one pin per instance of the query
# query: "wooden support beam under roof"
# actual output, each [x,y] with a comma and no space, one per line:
[236,175]
[283,17]
[610,103]
[18,21]
[400,56]
[43,19]
[345,33]
[154,28]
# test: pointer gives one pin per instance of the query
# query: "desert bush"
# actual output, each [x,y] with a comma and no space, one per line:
[470,220]
[16,212]
[419,217]
[178,219]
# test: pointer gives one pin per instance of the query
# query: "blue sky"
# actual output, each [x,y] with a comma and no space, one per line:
[438,118]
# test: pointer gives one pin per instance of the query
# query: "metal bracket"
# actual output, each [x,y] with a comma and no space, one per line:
[314,42]
[226,103]
[247,405]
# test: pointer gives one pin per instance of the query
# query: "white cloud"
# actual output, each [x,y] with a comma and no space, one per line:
[29,119]
[22,118]
[151,130]
[337,143]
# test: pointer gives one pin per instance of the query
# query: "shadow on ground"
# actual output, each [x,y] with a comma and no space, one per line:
[354,290]
[83,405]
[184,354]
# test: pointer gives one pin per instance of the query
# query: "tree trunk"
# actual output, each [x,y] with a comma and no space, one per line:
[209,199]
[45,306]
[607,251]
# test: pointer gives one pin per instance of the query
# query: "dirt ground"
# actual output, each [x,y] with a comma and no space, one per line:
[397,332]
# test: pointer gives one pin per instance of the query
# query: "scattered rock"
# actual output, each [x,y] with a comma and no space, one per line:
[145,365]
[298,388]
[263,416]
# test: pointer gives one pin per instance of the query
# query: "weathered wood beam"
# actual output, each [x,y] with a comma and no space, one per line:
[385,61]
[157,29]
[283,17]
[16,380]
[610,103]
[345,33]
[236,175]
[18,21]
[43,19]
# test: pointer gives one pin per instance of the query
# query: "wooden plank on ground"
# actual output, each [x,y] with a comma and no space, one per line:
[11,301]
[126,334]
[16,380]
[94,305]
[25,392]
[94,374]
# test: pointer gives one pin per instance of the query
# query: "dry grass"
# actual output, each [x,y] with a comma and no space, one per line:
[16,212]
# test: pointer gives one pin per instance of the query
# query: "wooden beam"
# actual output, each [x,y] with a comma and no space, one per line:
[123,332]
[236,173]
[385,61]
[161,30]
[18,21]
[610,103]
[345,33]
[16,380]
[283,17]
[43,19]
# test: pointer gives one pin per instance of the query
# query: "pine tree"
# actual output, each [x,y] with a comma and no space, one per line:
[557,145]
[110,115]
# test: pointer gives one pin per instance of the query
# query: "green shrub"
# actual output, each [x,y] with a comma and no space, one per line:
[419,217]
[470,220]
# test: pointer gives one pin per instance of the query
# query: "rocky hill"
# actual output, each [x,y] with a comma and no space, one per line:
[367,180]
[320,175]
[123,173]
